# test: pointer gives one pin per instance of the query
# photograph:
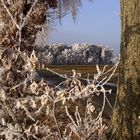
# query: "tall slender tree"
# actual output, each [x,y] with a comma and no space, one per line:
[126,117]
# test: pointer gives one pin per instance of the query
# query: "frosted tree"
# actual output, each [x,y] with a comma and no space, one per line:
[21,20]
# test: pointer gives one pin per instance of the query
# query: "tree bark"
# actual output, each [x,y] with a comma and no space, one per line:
[126,116]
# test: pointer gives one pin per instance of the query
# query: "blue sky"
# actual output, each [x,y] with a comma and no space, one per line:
[97,22]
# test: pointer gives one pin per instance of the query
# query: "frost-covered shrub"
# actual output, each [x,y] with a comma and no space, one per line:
[106,55]
[31,109]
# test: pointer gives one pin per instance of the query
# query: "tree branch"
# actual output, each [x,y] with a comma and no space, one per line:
[9,13]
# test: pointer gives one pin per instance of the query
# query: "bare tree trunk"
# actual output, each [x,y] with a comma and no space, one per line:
[126,117]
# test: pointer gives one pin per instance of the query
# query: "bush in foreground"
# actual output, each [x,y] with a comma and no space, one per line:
[34,110]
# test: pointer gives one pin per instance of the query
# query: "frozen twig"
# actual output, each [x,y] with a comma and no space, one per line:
[58,129]
[115,67]
[9,13]
[28,14]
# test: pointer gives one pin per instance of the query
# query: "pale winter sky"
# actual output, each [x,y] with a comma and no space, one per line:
[96,23]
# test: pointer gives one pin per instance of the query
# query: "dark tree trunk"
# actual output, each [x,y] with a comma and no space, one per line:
[126,117]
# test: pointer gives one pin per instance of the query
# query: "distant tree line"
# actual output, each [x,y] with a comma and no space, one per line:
[74,55]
